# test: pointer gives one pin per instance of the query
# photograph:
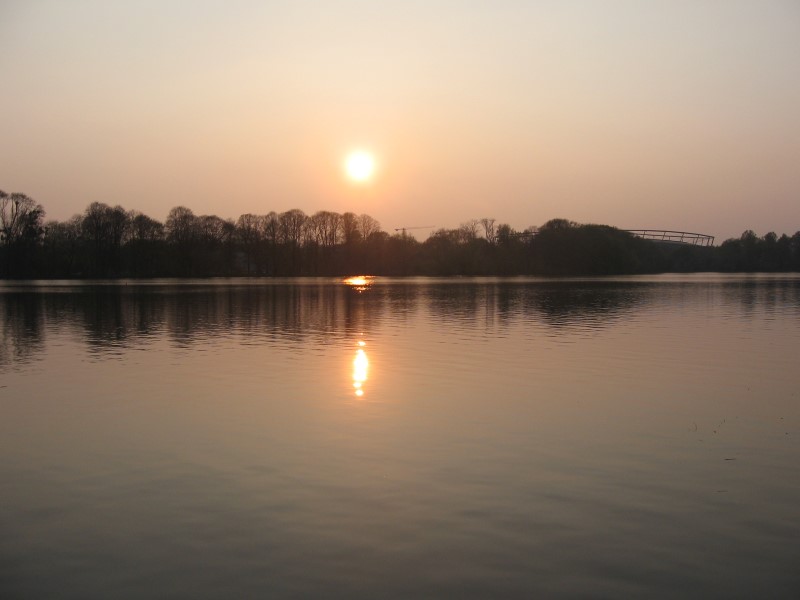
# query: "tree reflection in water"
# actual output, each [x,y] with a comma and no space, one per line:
[112,316]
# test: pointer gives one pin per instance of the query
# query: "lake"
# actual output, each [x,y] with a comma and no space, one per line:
[452,438]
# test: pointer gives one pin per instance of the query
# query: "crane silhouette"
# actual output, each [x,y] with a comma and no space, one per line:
[404,229]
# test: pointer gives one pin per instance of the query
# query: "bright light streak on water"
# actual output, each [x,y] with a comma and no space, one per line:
[360,369]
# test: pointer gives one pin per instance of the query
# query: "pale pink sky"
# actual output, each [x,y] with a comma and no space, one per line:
[664,114]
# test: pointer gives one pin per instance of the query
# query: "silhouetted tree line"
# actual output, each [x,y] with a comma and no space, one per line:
[108,241]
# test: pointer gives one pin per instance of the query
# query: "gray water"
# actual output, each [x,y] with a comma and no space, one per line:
[632,437]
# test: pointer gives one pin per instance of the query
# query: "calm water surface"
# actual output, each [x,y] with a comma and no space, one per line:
[635,437]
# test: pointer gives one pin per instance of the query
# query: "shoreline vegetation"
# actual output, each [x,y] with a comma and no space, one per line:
[111,242]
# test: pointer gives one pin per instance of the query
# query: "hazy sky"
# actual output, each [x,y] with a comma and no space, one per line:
[674,115]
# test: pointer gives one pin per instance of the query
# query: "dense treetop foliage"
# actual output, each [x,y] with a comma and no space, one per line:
[108,241]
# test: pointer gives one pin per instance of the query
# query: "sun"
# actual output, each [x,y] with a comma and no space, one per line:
[360,166]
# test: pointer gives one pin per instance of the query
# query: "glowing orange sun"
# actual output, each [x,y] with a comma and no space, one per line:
[360,166]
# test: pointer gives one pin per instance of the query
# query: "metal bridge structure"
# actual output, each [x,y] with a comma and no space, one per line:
[673,237]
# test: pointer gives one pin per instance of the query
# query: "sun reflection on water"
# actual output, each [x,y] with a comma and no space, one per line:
[359,283]
[360,369]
